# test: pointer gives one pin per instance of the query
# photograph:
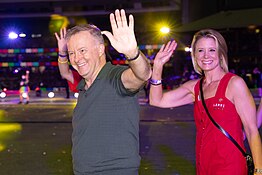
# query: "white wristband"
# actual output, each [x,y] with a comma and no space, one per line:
[258,171]
[155,82]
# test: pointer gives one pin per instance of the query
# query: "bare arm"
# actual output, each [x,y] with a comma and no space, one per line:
[245,106]
[180,96]
[63,66]
[123,40]
[259,114]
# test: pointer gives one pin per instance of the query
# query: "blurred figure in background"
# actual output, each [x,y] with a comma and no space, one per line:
[24,88]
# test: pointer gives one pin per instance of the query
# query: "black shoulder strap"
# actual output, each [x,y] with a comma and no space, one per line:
[216,124]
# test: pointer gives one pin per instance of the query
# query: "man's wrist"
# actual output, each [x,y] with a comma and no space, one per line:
[133,56]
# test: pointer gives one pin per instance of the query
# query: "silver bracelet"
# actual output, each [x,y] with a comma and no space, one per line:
[257,170]
[155,82]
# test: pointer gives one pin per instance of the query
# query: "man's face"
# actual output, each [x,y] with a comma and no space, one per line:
[84,54]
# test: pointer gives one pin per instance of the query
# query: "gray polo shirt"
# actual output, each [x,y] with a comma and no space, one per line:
[105,125]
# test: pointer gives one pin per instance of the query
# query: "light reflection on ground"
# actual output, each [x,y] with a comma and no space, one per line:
[7,130]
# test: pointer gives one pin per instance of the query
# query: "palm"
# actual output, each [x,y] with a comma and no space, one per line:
[164,54]
[163,57]
[122,37]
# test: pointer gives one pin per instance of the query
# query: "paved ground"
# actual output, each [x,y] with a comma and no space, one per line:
[35,138]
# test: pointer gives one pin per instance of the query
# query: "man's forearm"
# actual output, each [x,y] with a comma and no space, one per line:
[141,66]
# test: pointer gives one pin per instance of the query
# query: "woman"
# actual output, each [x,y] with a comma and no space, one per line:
[71,75]
[228,100]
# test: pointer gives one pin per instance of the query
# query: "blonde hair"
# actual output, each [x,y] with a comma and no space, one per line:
[220,43]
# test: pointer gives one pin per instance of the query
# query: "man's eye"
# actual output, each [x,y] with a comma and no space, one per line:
[83,50]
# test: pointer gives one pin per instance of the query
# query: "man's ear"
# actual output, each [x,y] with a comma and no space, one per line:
[101,49]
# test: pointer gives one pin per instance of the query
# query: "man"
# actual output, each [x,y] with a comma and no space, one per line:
[106,118]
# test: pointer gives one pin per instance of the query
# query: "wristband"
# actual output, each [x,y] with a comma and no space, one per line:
[63,62]
[62,56]
[155,82]
[132,59]
[258,171]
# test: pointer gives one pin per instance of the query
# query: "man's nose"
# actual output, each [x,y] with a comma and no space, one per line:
[78,56]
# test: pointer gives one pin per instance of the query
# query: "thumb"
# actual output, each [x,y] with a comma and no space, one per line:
[109,36]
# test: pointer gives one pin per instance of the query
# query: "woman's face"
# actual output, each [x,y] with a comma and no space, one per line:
[206,54]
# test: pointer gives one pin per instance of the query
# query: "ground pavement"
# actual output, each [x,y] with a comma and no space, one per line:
[36,138]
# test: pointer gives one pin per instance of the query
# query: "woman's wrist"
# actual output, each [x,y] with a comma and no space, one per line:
[62,61]
[258,171]
[62,53]
[155,82]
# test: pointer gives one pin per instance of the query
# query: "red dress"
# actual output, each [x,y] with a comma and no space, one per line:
[77,78]
[215,153]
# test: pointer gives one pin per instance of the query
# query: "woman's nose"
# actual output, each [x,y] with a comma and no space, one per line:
[205,55]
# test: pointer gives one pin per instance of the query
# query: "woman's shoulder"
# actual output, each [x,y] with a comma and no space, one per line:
[236,81]
[237,85]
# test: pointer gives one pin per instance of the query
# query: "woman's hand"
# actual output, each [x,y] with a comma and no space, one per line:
[61,42]
[165,52]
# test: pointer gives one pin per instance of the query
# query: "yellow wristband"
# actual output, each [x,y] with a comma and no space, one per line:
[63,62]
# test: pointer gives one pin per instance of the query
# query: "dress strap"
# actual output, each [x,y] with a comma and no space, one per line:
[221,89]
[197,90]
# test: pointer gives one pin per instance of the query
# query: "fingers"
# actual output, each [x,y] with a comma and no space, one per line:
[113,22]
[119,20]
[131,22]
[62,34]
[57,37]
[162,48]
[170,46]
[123,18]
[109,36]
